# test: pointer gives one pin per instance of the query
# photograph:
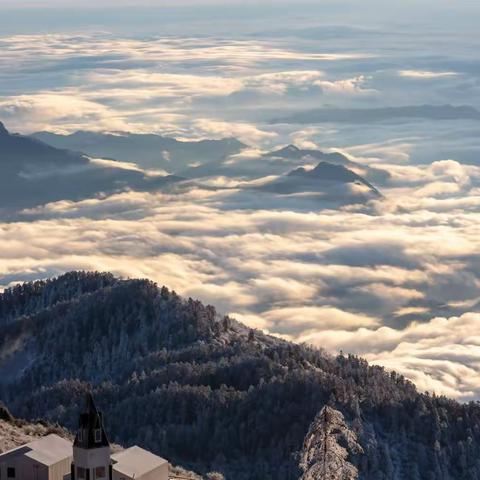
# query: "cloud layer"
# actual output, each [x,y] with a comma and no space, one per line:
[396,281]
[326,277]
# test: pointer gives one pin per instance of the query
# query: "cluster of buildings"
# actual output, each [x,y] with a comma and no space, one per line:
[89,458]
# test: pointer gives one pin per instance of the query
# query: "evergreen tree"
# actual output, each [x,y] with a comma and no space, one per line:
[328,445]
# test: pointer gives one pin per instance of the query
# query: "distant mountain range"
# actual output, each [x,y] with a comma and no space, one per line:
[205,391]
[294,179]
[195,159]
[147,150]
[34,173]
[371,115]
[278,162]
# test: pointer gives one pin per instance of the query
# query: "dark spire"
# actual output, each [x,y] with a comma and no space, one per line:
[90,405]
[91,431]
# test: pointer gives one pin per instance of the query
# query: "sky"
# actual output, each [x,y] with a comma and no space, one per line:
[394,279]
[142,16]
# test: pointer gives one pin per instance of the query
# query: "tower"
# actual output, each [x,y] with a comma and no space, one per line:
[91,448]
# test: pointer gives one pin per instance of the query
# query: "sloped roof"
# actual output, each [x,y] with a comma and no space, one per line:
[48,450]
[135,462]
[13,453]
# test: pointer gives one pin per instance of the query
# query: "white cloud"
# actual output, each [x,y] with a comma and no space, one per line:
[46,110]
[436,355]
[352,279]
[425,74]
[332,278]
[289,319]
[146,84]
[350,86]
[246,132]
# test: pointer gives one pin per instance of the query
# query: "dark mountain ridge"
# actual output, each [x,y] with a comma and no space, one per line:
[18,149]
[329,172]
[34,173]
[372,174]
[294,152]
[328,184]
[207,392]
[280,162]
[147,150]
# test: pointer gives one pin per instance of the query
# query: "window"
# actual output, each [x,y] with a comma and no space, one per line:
[100,472]
[98,435]
[11,472]
[80,473]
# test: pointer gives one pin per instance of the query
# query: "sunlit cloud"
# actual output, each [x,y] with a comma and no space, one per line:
[338,279]
[395,281]
[426,75]
[435,354]
[47,110]
[220,129]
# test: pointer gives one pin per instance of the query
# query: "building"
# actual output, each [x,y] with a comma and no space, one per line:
[135,463]
[91,448]
[89,458]
[48,458]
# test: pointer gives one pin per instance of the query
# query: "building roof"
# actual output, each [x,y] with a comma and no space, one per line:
[135,462]
[13,453]
[91,420]
[47,450]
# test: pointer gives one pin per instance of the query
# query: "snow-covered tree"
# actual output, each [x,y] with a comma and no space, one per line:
[328,445]
[215,476]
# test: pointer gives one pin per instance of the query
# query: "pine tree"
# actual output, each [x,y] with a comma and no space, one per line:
[328,445]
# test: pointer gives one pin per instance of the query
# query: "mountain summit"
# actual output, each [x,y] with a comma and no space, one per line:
[325,171]
[328,184]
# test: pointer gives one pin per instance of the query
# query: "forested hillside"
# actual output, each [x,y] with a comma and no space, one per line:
[206,392]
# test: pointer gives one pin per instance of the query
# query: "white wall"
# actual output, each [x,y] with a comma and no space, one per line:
[91,459]
[59,470]
[28,469]
[32,470]
[25,469]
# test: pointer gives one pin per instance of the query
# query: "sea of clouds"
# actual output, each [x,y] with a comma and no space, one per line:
[396,281]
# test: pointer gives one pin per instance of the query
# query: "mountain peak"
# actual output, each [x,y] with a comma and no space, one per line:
[290,151]
[3,130]
[331,172]
[327,171]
